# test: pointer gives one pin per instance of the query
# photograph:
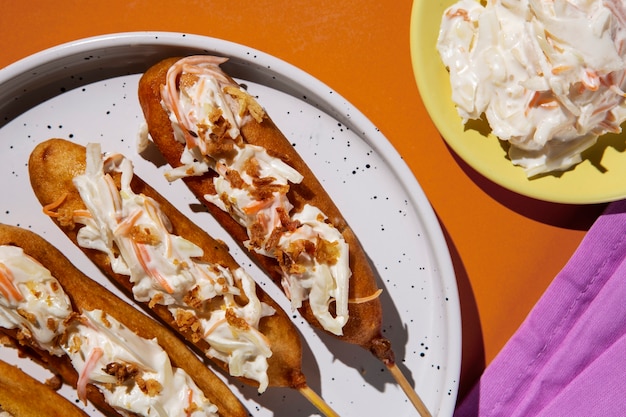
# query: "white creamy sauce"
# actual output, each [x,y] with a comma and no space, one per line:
[93,340]
[31,299]
[548,76]
[164,268]
[99,340]
[191,107]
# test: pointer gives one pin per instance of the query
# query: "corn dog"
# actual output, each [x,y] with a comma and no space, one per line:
[220,141]
[115,356]
[240,165]
[168,264]
[17,390]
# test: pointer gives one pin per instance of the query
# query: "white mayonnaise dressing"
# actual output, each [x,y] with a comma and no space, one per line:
[96,341]
[189,109]
[31,299]
[549,76]
[164,268]
[93,340]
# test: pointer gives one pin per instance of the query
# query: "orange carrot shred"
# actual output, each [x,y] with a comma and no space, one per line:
[215,326]
[190,402]
[143,257]
[83,378]
[367,298]
[48,208]
[82,213]
[7,288]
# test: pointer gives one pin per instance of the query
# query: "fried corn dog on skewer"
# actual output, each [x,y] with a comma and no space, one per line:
[167,263]
[116,357]
[220,141]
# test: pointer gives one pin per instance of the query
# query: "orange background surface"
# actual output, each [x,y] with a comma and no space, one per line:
[505,248]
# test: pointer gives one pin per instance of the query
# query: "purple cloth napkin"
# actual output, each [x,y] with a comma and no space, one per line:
[568,358]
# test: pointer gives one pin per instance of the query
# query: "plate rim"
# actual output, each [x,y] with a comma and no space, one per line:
[356,120]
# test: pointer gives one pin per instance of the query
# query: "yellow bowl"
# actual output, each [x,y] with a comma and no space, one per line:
[599,178]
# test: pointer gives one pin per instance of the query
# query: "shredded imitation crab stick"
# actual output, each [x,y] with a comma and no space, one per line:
[222,143]
[167,263]
[18,389]
[115,356]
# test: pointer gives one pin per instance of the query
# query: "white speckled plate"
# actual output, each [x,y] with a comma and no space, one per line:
[85,91]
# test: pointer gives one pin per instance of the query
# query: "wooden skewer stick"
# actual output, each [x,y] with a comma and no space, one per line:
[317,401]
[408,390]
